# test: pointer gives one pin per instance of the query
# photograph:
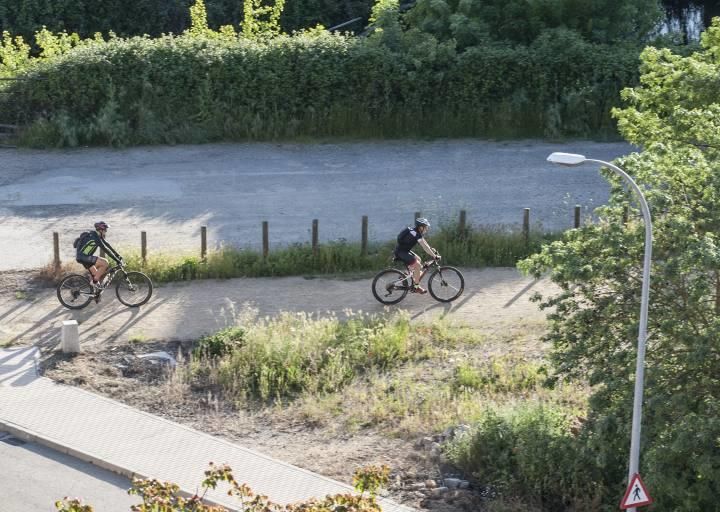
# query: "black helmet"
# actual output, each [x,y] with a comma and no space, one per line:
[101,226]
[422,221]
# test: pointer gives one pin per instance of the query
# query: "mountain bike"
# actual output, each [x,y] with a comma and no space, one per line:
[445,284]
[75,291]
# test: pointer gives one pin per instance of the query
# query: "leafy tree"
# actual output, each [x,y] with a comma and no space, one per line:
[471,22]
[262,18]
[673,115]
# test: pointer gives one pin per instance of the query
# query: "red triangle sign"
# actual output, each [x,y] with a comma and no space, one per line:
[636,494]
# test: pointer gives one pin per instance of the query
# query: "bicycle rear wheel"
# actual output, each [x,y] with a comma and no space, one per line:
[134,289]
[74,291]
[446,284]
[389,286]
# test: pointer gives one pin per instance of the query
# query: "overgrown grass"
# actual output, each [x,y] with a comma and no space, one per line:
[295,354]
[371,371]
[388,375]
[479,247]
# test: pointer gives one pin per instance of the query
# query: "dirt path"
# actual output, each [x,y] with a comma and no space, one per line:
[493,298]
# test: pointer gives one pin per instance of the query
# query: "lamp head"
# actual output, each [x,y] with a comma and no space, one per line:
[566,159]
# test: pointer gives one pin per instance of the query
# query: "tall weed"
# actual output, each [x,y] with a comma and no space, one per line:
[293,354]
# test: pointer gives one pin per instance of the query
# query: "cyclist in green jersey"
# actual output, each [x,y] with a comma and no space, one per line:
[87,244]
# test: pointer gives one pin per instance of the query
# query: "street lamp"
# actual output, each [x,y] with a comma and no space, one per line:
[571,160]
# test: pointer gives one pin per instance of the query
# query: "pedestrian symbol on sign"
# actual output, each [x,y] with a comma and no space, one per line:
[636,494]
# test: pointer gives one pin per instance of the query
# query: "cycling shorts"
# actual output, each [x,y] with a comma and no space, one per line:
[407,257]
[87,261]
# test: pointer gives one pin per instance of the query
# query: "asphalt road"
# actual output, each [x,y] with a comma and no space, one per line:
[33,477]
[170,192]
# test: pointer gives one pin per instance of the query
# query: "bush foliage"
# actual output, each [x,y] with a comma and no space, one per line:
[673,116]
[207,85]
[160,496]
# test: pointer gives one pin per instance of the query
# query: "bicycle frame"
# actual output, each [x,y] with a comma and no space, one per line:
[110,274]
[425,269]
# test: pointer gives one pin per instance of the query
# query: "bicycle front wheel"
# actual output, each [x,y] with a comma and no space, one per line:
[446,284]
[134,289]
[390,286]
[75,291]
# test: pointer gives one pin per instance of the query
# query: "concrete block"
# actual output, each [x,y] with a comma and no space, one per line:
[70,337]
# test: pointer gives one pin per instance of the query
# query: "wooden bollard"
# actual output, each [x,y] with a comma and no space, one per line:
[417,216]
[56,250]
[143,247]
[626,214]
[265,239]
[577,216]
[461,224]
[315,237]
[203,242]
[364,242]
[526,224]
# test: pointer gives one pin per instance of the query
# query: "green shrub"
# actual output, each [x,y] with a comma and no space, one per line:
[293,354]
[530,453]
[220,343]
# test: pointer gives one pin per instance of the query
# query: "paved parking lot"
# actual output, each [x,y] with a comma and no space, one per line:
[171,191]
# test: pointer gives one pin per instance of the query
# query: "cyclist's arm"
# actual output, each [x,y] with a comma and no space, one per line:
[426,247]
[109,250]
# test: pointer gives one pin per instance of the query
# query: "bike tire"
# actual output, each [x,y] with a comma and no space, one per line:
[384,279]
[135,283]
[79,289]
[452,279]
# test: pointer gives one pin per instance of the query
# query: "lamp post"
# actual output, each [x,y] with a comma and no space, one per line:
[572,160]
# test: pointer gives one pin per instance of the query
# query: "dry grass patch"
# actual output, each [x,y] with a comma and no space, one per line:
[331,395]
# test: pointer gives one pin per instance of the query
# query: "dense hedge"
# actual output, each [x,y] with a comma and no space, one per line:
[195,89]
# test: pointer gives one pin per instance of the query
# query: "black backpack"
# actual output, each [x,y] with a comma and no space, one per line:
[80,241]
[405,238]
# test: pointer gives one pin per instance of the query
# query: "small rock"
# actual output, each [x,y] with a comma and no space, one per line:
[427,442]
[452,483]
[430,484]
[438,491]
[416,486]
[464,484]
[157,357]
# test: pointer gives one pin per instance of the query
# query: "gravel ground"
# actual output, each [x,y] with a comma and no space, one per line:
[170,192]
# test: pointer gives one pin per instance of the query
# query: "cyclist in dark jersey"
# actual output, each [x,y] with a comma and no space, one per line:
[87,244]
[406,241]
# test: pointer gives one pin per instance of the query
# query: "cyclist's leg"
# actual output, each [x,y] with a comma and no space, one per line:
[101,266]
[412,262]
[415,267]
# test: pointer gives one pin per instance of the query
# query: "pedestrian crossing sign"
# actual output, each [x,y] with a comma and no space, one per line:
[636,494]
